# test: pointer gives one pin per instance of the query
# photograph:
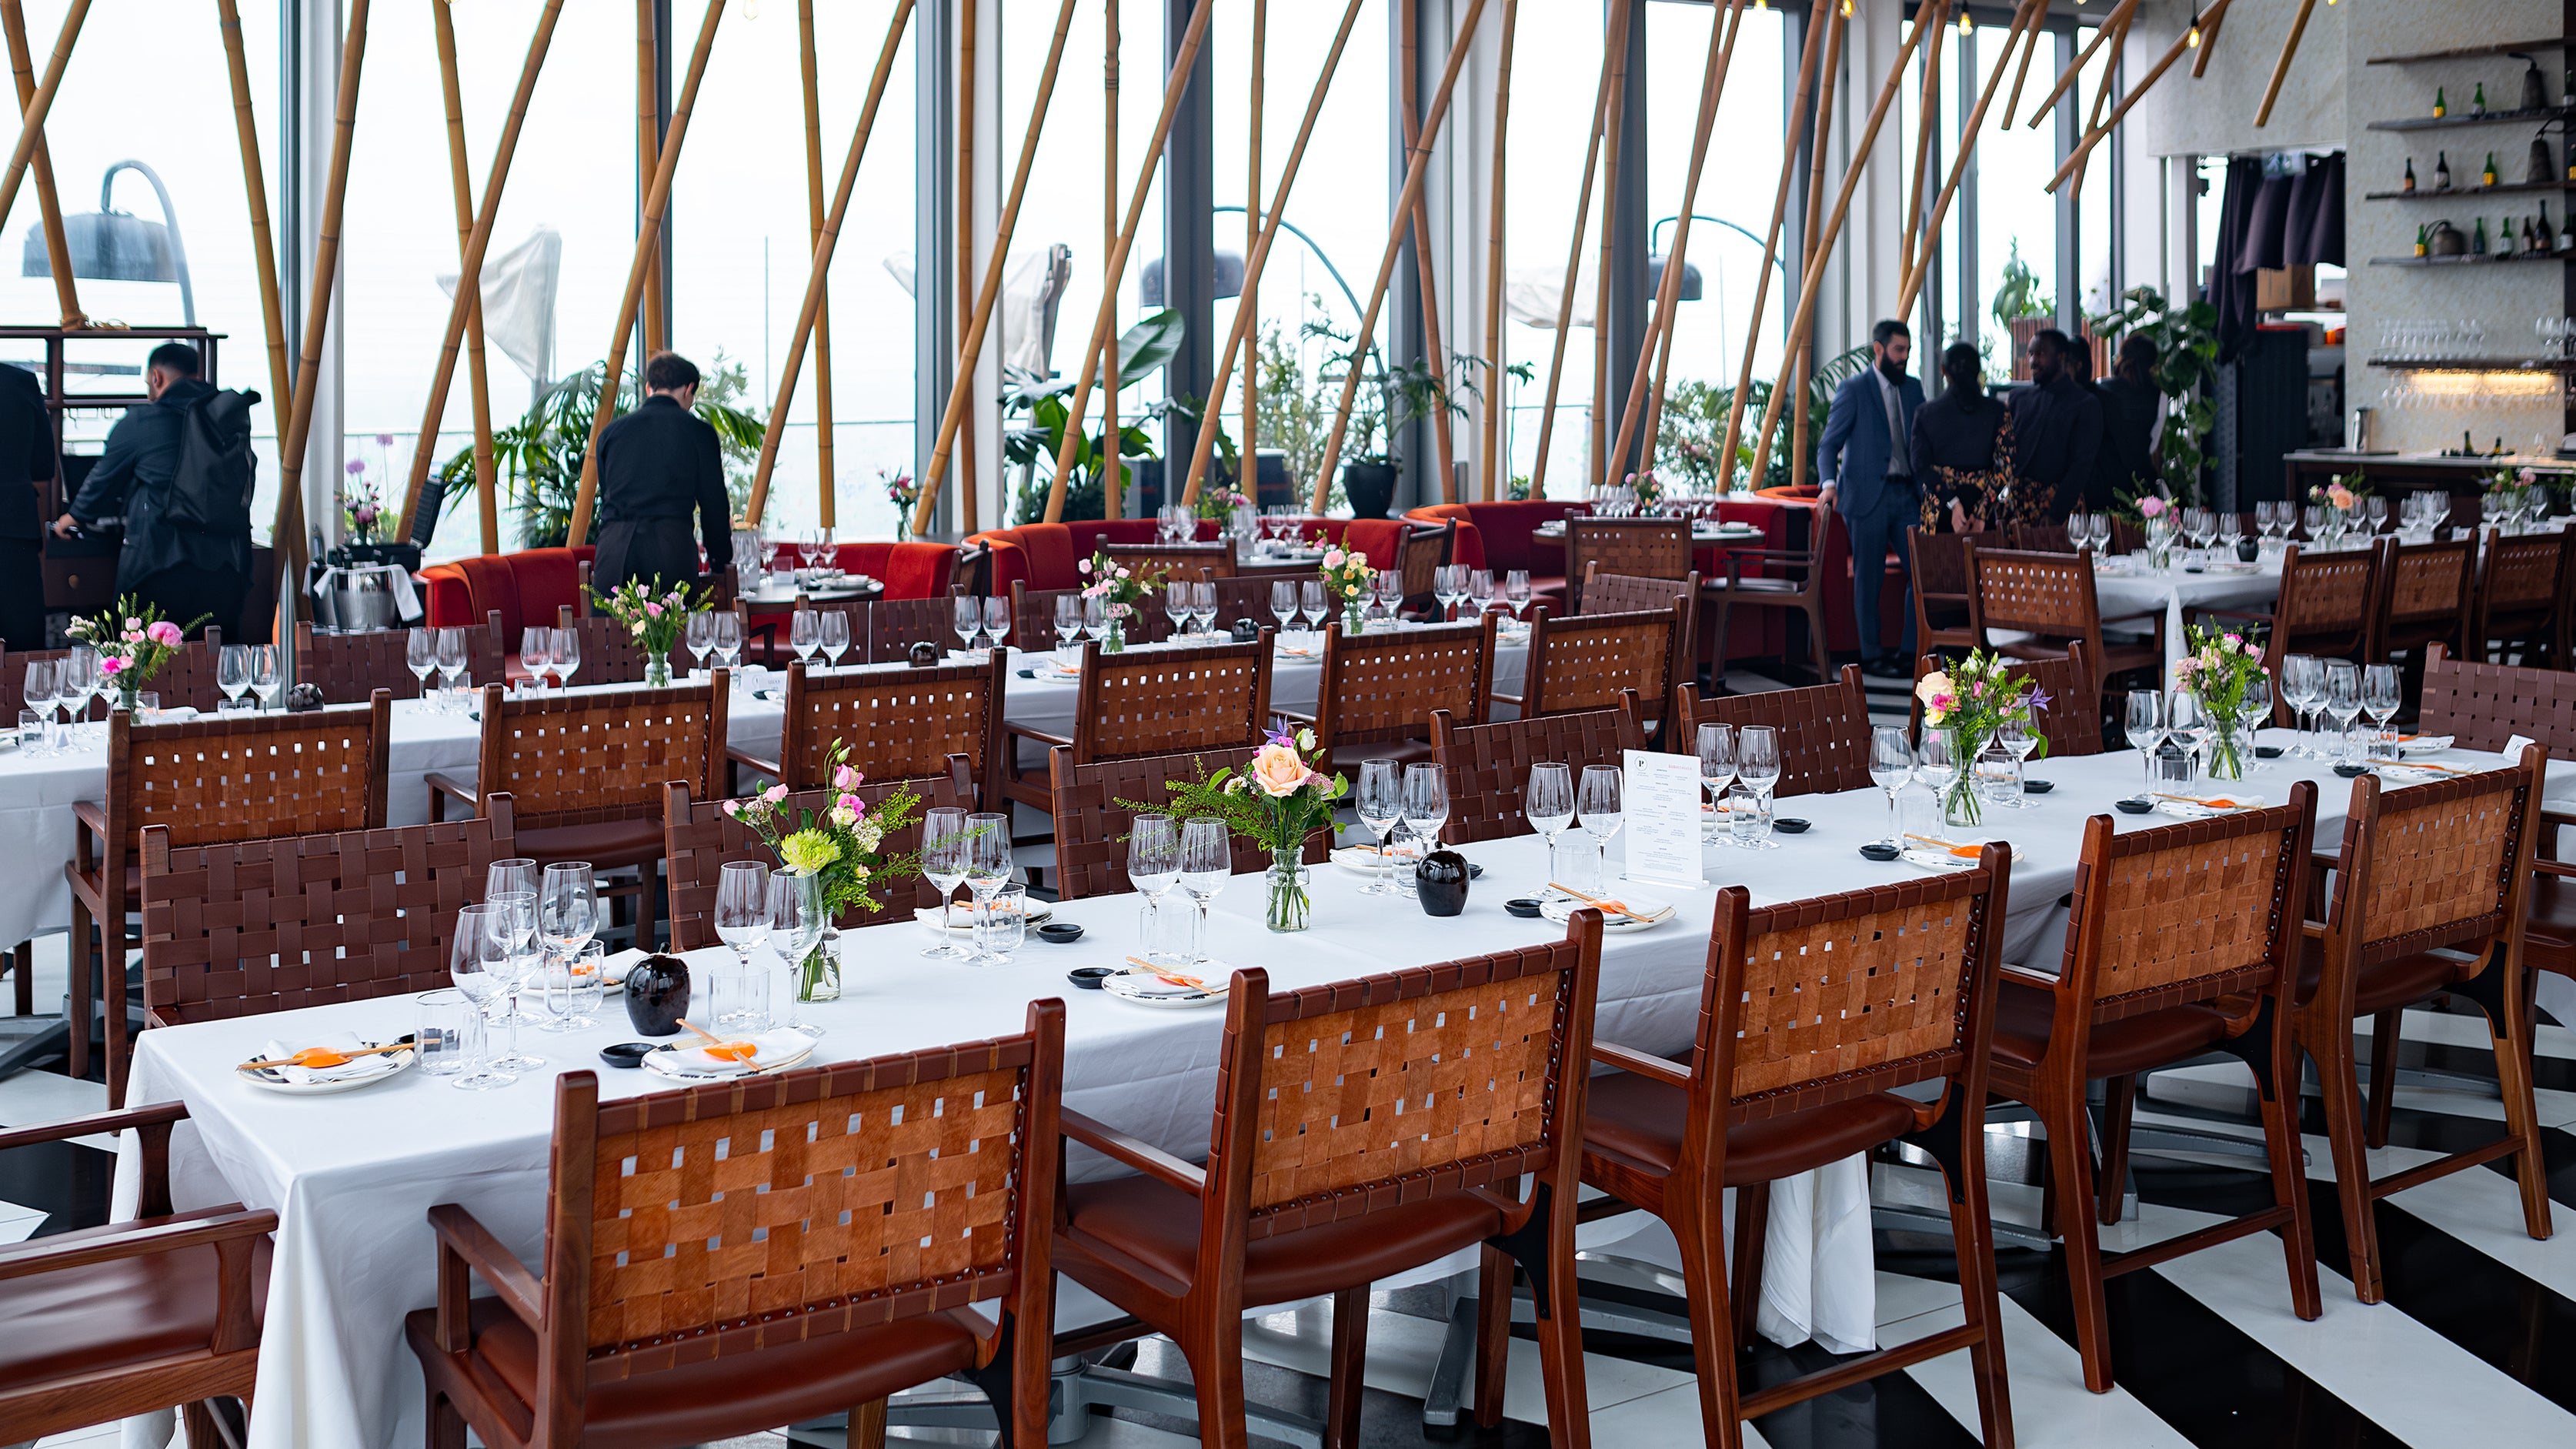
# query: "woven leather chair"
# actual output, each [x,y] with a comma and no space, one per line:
[2071,721]
[2482,707]
[1174,560]
[2441,866]
[1646,548]
[1361,1129]
[2523,597]
[1092,823]
[1033,616]
[1824,730]
[2182,940]
[1247,596]
[1486,767]
[899,724]
[240,928]
[186,678]
[1780,578]
[210,780]
[1943,618]
[1418,563]
[1812,1015]
[2426,594]
[1378,689]
[1588,661]
[699,840]
[1154,702]
[659,1318]
[2051,597]
[883,631]
[2324,608]
[2126,537]
[161,1311]
[349,667]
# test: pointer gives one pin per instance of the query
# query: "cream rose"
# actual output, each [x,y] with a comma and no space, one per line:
[1278,771]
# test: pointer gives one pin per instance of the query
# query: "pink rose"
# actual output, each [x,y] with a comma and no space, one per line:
[1082,566]
[110,664]
[2151,507]
[133,623]
[1332,558]
[165,633]
[775,793]
[849,803]
[1278,771]
[652,611]
[845,778]
[733,809]
[2254,652]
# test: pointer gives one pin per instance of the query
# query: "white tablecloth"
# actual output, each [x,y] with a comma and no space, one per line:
[351,1176]
[2127,587]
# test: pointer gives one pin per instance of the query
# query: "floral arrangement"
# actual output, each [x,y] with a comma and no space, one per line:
[2141,504]
[1121,589]
[1218,501]
[1648,488]
[903,493]
[843,845]
[1279,799]
[1347,577]
[362,507]
[653,619]
[2216,669]
[1969,702]
[132,641]
[2343,490]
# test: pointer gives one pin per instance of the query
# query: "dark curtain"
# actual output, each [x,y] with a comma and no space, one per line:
[2231,289]
[2314,231]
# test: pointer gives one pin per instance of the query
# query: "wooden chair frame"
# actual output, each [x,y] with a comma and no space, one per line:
[1587,661]
[1944,614]
[1379,689]
[2427,594]
[347,668]
[699,839]
[2324,608]
[1783,578]
[2523,597]
[1486,767]
[1824,730]
[2051,596]
[900,724]
[1649,548]
[1115,716]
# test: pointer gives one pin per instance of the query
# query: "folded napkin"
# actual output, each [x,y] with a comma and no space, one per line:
[2425,744]
[775,1047]
[1931,858]
[2213,805]
[618,964]
[338,1041]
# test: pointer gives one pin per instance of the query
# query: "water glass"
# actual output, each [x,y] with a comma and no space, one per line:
[1891,767]
[805,635]
[575,982]
[420,656]
[798,919]
[1153,868]
[739,999]
[31,733]
[1379,803]
[1002,924]
[536,655]
[1207,862]
[445,1032]
[1748,818]
[1547,803]
[1999,777]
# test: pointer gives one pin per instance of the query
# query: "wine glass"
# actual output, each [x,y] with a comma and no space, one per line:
[2254,710]
[1310,602]
[1547,803]
[797,918]
[567,655]
[834,631]
[519,916]
[1389,587]
[43,681]
[2016,736]
[966,619]
[75,682]
[2187,724]
[997,622]
[2379,700]
[478,962]
[1153,868]
[420,655]
[1283,602]
[1379,803]
[536,653]
[452,660]
[1176,607]
[728,641]
[988,860]
[2342,703]
[1480,587]
[1449,586]
[1207,859]
[1757,764]
[2079,528]
[567,917]
[1068,620]
[1715,746]
[1891,767]
[2303,682]
[2375,509]
[742,923]
[700,636]
[1598,800]
[232,668]
[1426,803]
[943,864]
[1203,604]
[1516,592]
[2145,726]
[263,673]
[804,635]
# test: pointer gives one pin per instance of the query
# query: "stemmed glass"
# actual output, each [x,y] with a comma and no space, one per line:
[1548,805]
[1390,593]
[966,617]
[42,681]
[1757,766]
[2303,687]
[1207,859]
[1176,607]
[2187,724]
[796,922]
[1480,587]
[264,681]
[1068,619]
[567,655]
[232,668]
[2015,735]
[1203,604]
[479,963]
[1095,618]
[1426,804]
[1449,586]
[518,915]
[1599,800]
[2101,532]
[1379,803]
[1283,603]
[2079,529]
[1153,868]
[804,635]
[1891,767]
[2254,710]
[742,923]
[943,864]
[420,655]
[1310,602]
[2342,703]
[700,637]
[2379,700]
[451,662]
[536,653]
[75,683]
[727,637]
[997,622]
[988,862]
[834,627]
[1716,749]
[2375,509]
[2145,726]
[567,917]
[1516,592]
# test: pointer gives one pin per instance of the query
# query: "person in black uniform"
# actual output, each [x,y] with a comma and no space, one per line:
[187,572]
[1963,449]
[2131,403]
[657,465]
[26,459]
[2057,427]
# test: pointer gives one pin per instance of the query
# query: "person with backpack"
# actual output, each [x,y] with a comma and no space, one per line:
[178,470]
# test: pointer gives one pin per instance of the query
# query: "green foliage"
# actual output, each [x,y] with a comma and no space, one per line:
[1142,349]
[1692,430]
[2186,341]
[2019,296]
[1405,394]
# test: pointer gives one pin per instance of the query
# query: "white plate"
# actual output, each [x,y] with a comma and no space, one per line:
[1924,857]
[961,919]
[276,1083]
[2201,810]
[1561,909]
[1145,987]
[663,1060]
[2425,745]
[1365,860]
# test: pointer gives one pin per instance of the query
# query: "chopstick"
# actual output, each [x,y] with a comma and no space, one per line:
[1192,982]
[2222,802]
[1620,906]
[335,1051]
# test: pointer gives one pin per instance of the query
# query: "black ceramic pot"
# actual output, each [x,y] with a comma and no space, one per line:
[1440,883]
[657,995]
[1370,487]
[2248,550]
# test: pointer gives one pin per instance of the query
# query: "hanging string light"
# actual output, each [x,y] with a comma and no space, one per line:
[1967,26]
[2191,37]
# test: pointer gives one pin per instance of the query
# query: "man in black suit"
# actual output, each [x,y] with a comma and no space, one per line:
[26,459]
[657,466]
[2057,424]
[189,574]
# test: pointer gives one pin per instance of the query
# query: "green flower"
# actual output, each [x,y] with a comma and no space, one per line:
[807,852]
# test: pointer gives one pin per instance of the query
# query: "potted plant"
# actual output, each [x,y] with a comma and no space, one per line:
[1404,394]
[843,845]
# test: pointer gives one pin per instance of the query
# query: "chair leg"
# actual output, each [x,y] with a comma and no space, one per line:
[446,1426]
[2339,1087]
[1752,1233]
[2383,1078]
[1349,1377]
[1720,1328]
[1820,642]
[1217,1373]
[120,1052]
[23,960]
[197,1427]
[1493,1334]
[1560,1336]
[868,1425]
[78,1009]
[2111,1187]
[2279,1091]
[2068,1157]
[1972,1231]
[2512,1043]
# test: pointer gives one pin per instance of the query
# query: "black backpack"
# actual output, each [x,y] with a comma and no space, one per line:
[210,489]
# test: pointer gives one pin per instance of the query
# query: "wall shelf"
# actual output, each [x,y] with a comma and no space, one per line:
[2470,52]
[2466,193]
[2490,118]
[2477,364]
[2514,259]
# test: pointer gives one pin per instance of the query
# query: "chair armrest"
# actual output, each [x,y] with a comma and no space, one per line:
[1628,1059]
[2024,976]
[201,1228]
[755,763]
[441,783]
[2545,867]
[1152,1161]
[91,817]
[459,1233]
[94,1125]
[1023,732]
[2325,860]
[1303,719]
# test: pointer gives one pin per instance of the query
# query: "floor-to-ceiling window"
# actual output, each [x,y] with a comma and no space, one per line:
[1556,81]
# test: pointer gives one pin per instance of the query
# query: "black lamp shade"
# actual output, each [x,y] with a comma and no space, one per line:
[1690,291]
[1229,279]
[111,246]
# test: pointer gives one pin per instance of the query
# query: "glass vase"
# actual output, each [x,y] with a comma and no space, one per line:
[818,976]
[1289,904]
[1354,620]
[1960,805]
[1115,641]
[2226,753]
[657,668]
[126,696]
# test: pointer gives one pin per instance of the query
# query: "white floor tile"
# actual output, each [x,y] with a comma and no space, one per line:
[2050,1405]
[1402,1350]
[1667,1418]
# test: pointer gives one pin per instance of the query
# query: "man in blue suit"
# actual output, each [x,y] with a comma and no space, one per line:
[1866,465]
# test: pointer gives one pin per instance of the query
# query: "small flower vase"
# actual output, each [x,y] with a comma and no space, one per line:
[2226,756]
[1115,641]
[126,695]
[818,976]
[2159,543]
[657,668]
[1960,805]
[1354,619]
[1288,905]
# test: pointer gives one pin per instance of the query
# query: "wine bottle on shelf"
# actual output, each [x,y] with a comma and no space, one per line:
[2409,183]
[2478,102]
[2440,108]
[2548,237]
[2478,239]
[2441,171]
[2530,239]
[2488,177]
[2505,247]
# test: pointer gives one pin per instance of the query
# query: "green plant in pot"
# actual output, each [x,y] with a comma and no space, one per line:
[1036,414]
[1402,395]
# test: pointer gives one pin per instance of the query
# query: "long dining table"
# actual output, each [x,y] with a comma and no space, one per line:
[352,1176]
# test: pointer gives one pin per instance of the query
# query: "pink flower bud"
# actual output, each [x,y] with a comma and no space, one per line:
[165,633]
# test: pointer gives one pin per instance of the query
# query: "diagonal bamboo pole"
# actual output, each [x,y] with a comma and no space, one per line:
[2208,34]
[1414,172]
[326,263]
[648,151]
[2102,95]
[2021,72]
[1927,121]
[1810,287]
[469,278]
[969,119]
[1723,27]
[1259,257]
[1435,349]
[2118,17]
[31,118]
[1818,23]
[255,189]
[486,476]
[1104,338]
[58,252]
[814,225]
[1598,419]
[1802,348]
[827,235]
[2281,67]
[1614,46]
[2023,18]
[1495,378]
[646,264]
[1247,456]
[971,346]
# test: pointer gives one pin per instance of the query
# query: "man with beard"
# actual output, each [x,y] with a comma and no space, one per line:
[2057,426]
[1867,467]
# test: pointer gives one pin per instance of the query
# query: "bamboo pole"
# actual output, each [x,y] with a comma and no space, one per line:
[486,476]
[647,250]
[962,389]
[1414,172]
[1810,286]
[1259,257]
[2023,18]
[31,118]
[2135,93]
[827,234]
[1819,22]
[2101,96]
[814,222]
[2021,72]
[1927,121]
[469,278]
[969,497]
[2281,67]
[1614,46]
[58,252]
[1599,417]
[648,152]
[2119,16]
[1104,337]
[326,262]
[255,190]
[2208,37]
[1723,26]
[1435,348]
[1247,467]
[1495,377]
[1802,347]
[1113,481]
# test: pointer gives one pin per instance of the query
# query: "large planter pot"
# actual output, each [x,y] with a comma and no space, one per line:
[1370,487]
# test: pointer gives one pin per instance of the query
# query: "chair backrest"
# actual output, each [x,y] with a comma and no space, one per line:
[2426,592]
[2484,705]
[2522,583]
[2325,603]
[246,777]
[899,723]
[1246,596]
[246,927]
[349,667]
[1835,997]
[2191,911]
[186,678]
[1171,701]
[1940,563]
[1174,560]
[883,631]
[890,1189]
[1033,614]
[1823,730]
[1486,767]
[2126,537]
[2070,719]
[2436,865]
[611,655]
[1381,687]
[699,839]
[1425,549]
[579,758]
[1651,548]
[1092,818]
[1609,593]
[1585,662]
[2047,594]
[1335,1099]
